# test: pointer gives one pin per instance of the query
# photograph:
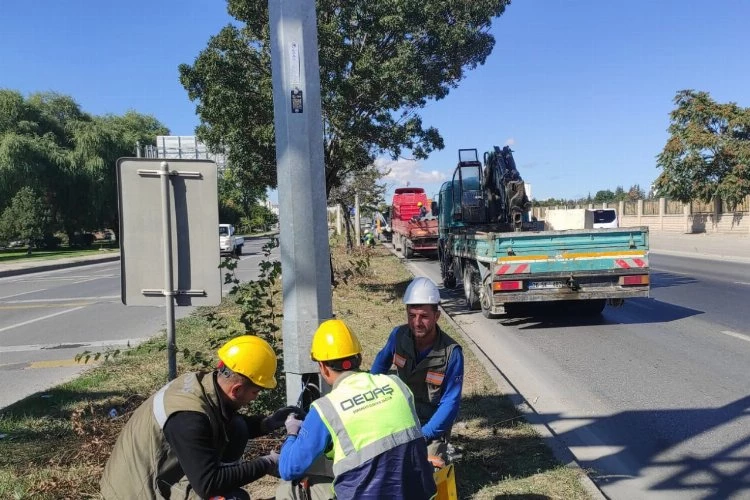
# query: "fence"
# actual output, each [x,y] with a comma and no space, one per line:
[673,216]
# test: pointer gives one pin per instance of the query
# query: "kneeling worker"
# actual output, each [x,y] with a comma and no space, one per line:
[185,441]
[367,421]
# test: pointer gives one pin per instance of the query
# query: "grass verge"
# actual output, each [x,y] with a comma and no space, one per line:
[56,446]
[7,256]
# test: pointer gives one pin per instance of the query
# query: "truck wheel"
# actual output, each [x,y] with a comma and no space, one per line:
[449,282]
[486,302]
[593,307]
[471,288]
[408,252]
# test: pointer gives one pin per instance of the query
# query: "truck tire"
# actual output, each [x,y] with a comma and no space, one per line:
[449,282]
[593,307]
[408,251]
[486,303]
[471,288]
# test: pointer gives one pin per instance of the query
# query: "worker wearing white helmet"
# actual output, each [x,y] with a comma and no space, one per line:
[429,361]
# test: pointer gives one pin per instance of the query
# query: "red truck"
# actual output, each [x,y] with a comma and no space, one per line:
[412,233]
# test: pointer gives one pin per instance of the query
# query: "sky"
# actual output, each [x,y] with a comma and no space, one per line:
[580,89]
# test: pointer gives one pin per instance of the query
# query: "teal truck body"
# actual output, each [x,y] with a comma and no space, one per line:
[503,259]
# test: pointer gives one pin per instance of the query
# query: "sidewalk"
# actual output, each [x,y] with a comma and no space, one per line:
[726,247]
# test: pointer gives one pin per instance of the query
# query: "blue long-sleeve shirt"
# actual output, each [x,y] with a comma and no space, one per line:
[450,399]
[299,452]
[402,473]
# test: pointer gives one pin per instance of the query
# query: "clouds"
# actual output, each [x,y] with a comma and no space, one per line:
[403,171]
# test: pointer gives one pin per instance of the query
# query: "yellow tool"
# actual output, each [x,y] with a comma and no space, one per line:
[445,479]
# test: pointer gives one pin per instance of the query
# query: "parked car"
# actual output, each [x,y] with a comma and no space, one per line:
[605,217]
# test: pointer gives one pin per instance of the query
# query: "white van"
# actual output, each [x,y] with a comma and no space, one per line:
[605,217]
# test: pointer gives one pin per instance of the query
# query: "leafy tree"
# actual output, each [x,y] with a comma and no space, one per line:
[635,193]
[604,196]
[26,218]
[67,156]
[380,63]
[708,152]
[237,196]
[261,218]
[365,184]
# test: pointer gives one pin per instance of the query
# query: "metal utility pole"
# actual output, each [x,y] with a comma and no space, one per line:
[305,264]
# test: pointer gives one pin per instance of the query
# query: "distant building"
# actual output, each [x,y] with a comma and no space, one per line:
[274,208]
[184,146]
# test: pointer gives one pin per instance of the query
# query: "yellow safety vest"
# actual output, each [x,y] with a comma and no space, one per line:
[367,415]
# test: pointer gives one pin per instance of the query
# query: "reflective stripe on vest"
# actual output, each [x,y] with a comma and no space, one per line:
[160,411]
[344,433]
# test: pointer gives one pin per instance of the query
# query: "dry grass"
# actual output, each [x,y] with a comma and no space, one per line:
[55,447]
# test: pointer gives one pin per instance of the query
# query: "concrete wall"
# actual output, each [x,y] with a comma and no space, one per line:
[719,222]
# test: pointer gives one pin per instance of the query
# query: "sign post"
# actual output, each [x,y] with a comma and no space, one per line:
[182,208]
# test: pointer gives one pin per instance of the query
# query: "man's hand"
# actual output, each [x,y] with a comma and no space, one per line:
[272,463]
[292,424]
[276,420]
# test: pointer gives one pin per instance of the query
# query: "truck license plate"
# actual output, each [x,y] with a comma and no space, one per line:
[535,285]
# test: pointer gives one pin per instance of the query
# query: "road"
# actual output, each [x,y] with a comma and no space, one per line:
[47,318]
[654,397]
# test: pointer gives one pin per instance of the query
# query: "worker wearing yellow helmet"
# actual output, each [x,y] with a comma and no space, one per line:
[422,210]
[367,421]
[187,439]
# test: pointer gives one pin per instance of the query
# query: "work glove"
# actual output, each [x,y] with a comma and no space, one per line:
[292,424]
[276,420]
[271,461]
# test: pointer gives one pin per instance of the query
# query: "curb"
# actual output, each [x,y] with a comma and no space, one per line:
[558,448]
[52,267]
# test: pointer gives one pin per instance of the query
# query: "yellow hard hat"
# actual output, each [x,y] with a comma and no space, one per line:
[419,203]
[333,340]
[252,357]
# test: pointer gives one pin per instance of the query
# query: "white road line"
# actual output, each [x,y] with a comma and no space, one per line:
[40,319]
[741,283]
[66,299]
[71,345]
[22,293]
[736,335]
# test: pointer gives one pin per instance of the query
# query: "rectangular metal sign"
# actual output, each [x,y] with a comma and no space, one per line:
[194,222]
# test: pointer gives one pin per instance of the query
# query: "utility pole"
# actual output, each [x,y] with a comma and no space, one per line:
[305,264]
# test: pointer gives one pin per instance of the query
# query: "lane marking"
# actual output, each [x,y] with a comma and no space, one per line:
[32,301]
[736,335]
[42,318]
[23,293]
[741,283]
[73,345]
[16,307]
[59,363]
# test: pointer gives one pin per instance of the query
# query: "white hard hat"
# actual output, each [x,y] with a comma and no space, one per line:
[422,291]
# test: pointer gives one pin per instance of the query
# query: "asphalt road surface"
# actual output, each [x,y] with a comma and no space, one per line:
[47,318]
[654,396]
